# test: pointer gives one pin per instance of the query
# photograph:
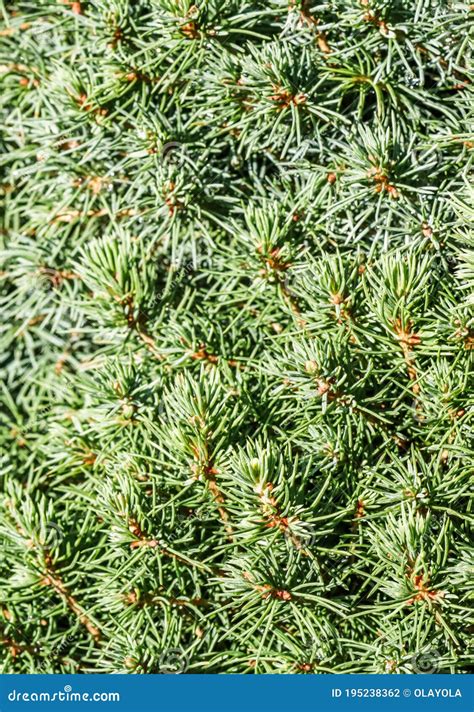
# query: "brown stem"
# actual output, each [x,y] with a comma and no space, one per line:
[143,539]
[53,579]
[267,590]
[207,469]
[408,340]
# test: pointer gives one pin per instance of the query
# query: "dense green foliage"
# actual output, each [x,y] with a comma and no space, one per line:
[237,331]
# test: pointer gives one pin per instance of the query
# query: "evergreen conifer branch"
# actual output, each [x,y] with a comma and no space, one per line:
[236,377]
